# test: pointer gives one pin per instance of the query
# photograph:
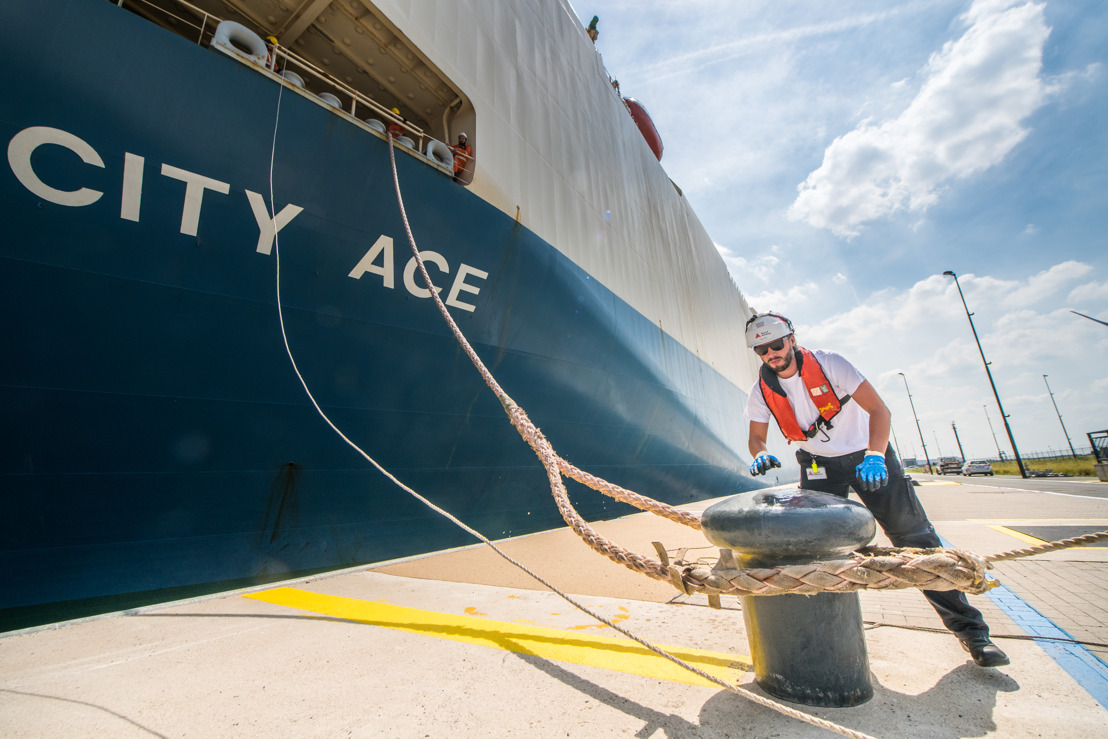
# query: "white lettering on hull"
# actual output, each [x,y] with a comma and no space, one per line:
[383,249]
[268,227]
[195,185]
[23,145]
[132,187]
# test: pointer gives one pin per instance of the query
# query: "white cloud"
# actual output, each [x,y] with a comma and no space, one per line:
[1046,283]
[966,118]
[761,267]
[682,65]
[784,301]
[1092,292]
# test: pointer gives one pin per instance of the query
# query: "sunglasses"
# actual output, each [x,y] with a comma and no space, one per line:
[773,346]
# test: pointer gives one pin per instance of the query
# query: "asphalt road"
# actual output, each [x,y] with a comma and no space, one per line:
[1087,487]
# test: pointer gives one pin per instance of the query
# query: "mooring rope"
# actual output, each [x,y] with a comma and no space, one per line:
[549,459]
[894,571]
[944,569]
[753,697]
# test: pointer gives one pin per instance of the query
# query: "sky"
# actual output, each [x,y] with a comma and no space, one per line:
[843,155]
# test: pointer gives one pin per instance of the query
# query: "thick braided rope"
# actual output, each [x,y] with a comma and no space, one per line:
[927,569]
[641,502]
[549,459]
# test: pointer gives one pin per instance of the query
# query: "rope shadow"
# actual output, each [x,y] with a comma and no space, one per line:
[108,711]
[673,726]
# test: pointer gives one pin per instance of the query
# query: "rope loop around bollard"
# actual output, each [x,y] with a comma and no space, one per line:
[886,569]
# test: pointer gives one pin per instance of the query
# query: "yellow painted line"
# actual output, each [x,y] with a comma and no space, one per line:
[1018,535]
[1034,540]
[611,653]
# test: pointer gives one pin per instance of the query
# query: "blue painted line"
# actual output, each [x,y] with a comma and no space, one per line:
[1081,664]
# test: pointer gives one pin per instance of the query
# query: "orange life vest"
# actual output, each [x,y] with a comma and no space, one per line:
[462,153]
[819,387]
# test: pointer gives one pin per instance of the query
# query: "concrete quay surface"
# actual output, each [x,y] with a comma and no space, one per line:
[463,644]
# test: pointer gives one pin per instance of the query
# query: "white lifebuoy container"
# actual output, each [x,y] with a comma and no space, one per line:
[238,40]
[405,141]
[439,152]
[330,99]
[294,78]
[375,124]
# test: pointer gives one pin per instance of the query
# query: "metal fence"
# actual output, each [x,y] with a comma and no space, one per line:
[1098,447]
[1098,440]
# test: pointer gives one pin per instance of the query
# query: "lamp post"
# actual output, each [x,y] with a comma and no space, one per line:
[921,441]
[995,442]
[1003,415]
[1060,418]
[961,452]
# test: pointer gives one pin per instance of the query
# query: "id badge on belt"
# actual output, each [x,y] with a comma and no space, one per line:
[815,472]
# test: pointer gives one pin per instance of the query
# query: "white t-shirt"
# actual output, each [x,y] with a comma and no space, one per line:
[851,425]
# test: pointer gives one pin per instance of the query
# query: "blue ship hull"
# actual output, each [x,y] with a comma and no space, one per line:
[157,441]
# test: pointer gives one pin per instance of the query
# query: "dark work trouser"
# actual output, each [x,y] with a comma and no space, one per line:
[902,518]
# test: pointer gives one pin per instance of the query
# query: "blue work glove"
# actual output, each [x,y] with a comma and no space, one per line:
[763,463]
[871,473]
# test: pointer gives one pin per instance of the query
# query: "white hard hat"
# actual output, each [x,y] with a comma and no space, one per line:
[462,135]
[763,328]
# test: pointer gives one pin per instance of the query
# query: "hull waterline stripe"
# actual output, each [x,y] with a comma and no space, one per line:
[610,653]
[1081,664]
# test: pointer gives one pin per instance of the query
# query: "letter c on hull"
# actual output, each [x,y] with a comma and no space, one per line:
[23,145]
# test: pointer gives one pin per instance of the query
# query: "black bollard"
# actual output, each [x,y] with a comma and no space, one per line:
[808,649]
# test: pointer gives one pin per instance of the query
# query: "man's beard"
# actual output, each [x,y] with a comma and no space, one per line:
[789,359]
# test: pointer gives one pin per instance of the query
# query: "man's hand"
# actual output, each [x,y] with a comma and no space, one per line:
[871,473]
[763,463]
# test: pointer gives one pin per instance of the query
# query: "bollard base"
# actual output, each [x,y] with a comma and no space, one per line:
[809,649]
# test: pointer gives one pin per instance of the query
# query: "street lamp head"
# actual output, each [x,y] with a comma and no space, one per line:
[948,273]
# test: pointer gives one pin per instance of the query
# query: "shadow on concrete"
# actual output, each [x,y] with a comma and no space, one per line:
[671,726]
[960,704]
[102,709]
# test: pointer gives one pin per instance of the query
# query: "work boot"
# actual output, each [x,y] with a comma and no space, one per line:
[984,652]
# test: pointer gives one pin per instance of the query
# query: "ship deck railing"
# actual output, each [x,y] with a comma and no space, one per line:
[360,104]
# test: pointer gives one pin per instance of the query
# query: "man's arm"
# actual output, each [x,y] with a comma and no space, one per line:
[880,419]
[756,439]
[756,442]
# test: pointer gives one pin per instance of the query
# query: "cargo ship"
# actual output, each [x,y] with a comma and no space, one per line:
[164,158]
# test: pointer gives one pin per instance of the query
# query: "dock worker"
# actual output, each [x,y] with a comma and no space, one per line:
[832,413]
[271,52]
[592,30]
[463,152]
[394,128]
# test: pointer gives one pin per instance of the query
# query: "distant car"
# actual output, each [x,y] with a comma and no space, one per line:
[977,467]
[950,465]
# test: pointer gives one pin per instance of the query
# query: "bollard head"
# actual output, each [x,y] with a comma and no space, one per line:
[788,525]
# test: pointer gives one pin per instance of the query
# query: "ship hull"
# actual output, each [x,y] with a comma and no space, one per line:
[159,442]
